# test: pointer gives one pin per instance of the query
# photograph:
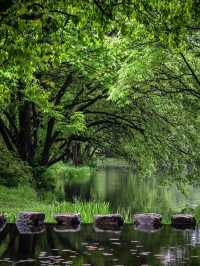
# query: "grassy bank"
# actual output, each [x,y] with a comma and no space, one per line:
[14,200]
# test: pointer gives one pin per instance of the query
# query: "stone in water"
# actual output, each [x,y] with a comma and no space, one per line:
[30,222]
[153,219]
[183,221]
[68,219]
[108,222]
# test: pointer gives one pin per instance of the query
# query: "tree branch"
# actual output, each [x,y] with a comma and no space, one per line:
[128,122]
[51,122]
[190,68]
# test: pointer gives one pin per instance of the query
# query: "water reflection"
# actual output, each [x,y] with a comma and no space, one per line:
[167,247]
[122,188]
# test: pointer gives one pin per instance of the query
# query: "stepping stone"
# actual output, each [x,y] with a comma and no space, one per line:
[153,219]
[183,221]
[108,222]
[68,219]
[2,222]
[30,222]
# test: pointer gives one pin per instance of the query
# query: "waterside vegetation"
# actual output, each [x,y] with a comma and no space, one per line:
[14,200]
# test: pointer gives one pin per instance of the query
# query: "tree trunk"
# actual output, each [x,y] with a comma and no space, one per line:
[48,141]
[24,143]
[76,154]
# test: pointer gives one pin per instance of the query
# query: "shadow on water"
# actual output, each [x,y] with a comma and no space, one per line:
[166,246]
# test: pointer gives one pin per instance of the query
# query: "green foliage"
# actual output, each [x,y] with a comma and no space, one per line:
[159,86]
[54,66]
[4,95]
[43,182]
[136,68]
[92,78]
[76,126]
[13,172]
[62,171]
[142,159]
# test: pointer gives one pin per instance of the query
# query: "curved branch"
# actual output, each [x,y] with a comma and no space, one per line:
[129,123]
[190,68]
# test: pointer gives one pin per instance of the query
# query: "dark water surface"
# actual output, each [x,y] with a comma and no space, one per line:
[166,246]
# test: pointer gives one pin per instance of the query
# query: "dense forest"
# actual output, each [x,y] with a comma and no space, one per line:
[80,80]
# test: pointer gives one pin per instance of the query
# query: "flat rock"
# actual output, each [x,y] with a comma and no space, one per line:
[2,222]
[183,220]
[68,219]
[30,222]
[108,222]
[153,219]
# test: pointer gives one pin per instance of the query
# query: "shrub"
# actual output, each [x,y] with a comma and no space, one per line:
[43,181]
[55,177]
[13,171]
[63,171]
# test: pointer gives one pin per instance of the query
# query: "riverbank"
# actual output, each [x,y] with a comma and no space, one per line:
[14,200]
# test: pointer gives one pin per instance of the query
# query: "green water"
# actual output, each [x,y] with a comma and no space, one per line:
[86,247]
[125,190]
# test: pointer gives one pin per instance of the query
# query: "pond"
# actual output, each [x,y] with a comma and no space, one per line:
[119,185]
[167,246]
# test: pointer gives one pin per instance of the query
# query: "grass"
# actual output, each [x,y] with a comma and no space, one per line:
[14,200]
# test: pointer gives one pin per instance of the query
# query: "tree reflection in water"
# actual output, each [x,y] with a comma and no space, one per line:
[87,247]
[124,189]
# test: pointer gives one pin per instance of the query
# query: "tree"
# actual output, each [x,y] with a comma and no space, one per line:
[54,80]
[160,76]
[99,76]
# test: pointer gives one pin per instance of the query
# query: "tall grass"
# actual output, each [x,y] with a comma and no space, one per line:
[14,200]
[126,213]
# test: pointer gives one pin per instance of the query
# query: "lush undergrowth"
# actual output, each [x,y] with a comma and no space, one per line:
[14,200]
